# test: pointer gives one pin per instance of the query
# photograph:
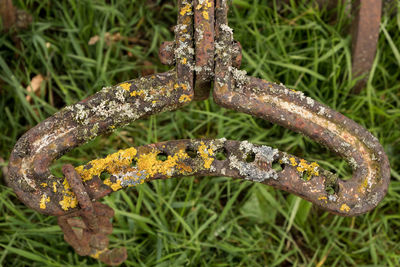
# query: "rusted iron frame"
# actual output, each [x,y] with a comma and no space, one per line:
[116,106]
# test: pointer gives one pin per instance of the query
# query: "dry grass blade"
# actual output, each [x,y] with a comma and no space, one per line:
[34,86]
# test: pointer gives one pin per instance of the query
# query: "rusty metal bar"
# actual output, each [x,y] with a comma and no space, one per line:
[204,43]
[308,180]
[365,34]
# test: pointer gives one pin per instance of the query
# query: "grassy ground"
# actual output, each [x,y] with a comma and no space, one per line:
[202,221]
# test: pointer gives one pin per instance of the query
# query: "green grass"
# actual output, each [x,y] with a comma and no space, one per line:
[203,221]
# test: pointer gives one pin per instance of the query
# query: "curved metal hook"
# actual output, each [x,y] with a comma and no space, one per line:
[241,160]
[112,107]
[291,109]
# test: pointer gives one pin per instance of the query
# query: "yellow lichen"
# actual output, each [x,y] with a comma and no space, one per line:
[68,202]
[45,199]
[311,169]
[176,86]
[363,186]
[112,164]
[149,164]
[184,86]
[184,60]
[184,98]
[125,86]
[345,208]
[54,187]
[186,9]
[96,255]
[107,182]
[205,154]
[293,161]
[205,15]
[114,186]
[137,93]
[69,199]
[324,198]
[204,5]
[43,184]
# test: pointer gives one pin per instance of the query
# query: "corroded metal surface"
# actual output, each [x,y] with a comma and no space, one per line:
[365,34]
[235,90]
[204,43]
[112,107]
[88,236]
[77,193]
[308,180]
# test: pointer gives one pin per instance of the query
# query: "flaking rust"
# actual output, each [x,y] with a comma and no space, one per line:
[202,52]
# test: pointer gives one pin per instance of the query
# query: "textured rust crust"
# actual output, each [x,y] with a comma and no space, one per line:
[88,236]
[269,166]
[204,42]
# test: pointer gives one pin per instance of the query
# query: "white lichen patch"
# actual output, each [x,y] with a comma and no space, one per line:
[285,159]
[263,153]
[321,111]
[250,171]
[200,34]
[310,101]
[353,163]
[332,198]
[226,28]
[240,76]
[81,114]
[120,94]
[131,178]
